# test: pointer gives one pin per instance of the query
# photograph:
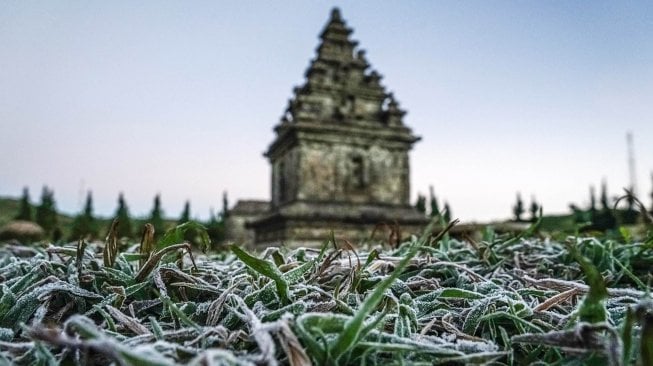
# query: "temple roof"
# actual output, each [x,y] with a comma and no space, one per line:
[250,207]
[340,85]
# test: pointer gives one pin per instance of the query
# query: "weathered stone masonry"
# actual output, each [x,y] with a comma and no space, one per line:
[340,157]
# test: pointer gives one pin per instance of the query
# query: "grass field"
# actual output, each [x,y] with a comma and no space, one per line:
[502,300]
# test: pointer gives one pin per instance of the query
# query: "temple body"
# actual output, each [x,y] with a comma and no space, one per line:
[340,157]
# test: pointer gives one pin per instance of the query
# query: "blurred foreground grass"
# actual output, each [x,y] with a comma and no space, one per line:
[501,300]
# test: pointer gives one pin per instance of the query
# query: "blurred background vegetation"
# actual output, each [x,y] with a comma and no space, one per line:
[27,219]
[18,216]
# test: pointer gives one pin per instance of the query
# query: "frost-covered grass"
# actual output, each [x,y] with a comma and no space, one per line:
[502,300]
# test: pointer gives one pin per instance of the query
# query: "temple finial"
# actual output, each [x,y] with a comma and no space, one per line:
[335,14]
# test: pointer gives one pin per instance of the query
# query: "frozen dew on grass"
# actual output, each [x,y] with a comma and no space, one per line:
[505,300]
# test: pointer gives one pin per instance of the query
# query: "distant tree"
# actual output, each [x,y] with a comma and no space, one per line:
[185,214]
[156,218]
[190,235]
[605,204]
[534,208]
[46,213]
[435,210]
[420,205]
[225,206]
[592,199]
[85,225]
[447,212]
[124,221]
[652,194]
[518,208]
[604,219]
[25,208]
[630,216]
[577,212]
[215,227]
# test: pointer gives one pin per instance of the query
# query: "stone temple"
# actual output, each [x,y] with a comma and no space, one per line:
[339,159]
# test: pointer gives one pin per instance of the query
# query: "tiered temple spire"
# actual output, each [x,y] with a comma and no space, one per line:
[340,155]
[340,85]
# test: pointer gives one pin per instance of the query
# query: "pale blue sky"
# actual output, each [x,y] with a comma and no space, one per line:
[180,97]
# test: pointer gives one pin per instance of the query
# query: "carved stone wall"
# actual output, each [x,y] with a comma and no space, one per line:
[285,181]
[349,173]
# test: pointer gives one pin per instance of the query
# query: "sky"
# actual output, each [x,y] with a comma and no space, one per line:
[179,98]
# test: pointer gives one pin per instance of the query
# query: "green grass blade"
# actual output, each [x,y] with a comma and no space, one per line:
[267,269]
[592,309]
[353,328]
[177,233]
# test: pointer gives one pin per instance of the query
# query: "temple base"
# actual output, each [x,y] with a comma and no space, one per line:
[310,224]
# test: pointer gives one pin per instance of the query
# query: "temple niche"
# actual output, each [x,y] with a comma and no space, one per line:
[340,156]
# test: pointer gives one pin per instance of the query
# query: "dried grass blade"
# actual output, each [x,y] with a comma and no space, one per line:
[130,323]
[557,299]
[111,245]
[81,246]
[296,354]
[156,257]
[147,244]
